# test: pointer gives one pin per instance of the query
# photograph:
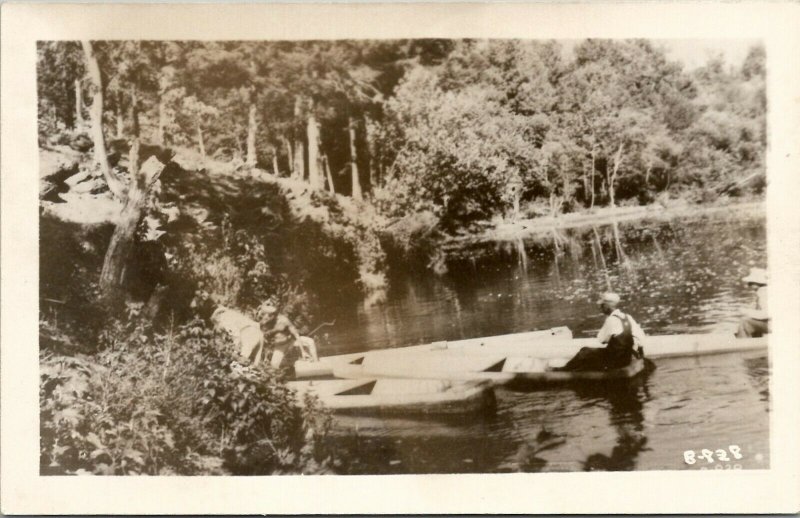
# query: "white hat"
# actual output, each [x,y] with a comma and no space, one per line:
[757,276]
[610,298]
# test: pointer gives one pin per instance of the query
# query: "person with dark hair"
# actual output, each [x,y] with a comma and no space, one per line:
[621,334]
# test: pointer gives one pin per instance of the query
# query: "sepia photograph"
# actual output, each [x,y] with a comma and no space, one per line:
[402,256]
[280,251]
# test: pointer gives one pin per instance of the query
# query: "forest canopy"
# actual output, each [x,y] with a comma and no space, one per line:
[468,129]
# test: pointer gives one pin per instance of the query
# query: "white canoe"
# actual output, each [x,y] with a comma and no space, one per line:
[514,360]
[325,365]
[398,396]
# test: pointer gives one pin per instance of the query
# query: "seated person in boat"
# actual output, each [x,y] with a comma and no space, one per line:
[283,334]
[756,321]
[621,334]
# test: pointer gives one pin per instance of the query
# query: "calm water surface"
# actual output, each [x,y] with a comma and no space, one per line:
[679,276]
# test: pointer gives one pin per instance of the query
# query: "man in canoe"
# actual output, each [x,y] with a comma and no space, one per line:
[756,321]
[621,334]
[282,334]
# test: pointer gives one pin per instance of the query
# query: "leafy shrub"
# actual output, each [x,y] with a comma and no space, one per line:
[174,403]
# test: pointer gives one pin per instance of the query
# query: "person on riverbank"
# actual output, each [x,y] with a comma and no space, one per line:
[282,334]
[756,321]
[621,334]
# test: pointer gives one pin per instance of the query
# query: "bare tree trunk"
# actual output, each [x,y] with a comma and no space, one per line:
[356,183]
[327,168]
[133,111]
[118,116]
[96,115]
[252,129]
[594,156]
[78,104]
[289,154]
[275,163]
[312,135]
[200,143]
[299,170]
[112,277]
[615,170]
[369,126]
[162,121]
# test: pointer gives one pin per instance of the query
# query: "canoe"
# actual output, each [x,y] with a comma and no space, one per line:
[481,353]
[398,396]
[324,367]
[499,370]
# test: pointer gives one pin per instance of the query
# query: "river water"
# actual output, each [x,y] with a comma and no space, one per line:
[674,276]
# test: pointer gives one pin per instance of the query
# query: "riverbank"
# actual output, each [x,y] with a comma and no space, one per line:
[500,231]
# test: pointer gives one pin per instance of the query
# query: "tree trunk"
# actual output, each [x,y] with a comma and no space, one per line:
[275,164]
[312,135]
[614,171]
[78,104]
[162,121]
[200,143]
[112,277]
[133,112]
[299,170]
[289,155]
[118,116]
[326,166]
[369,135]
[252,129]
[356,183]
[594,156]
[96,115]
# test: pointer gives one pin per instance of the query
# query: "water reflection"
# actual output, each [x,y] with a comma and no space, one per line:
[674,277]
[626,402]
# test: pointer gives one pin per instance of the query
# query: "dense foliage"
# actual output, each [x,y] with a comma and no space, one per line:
[468,129]
[172,403]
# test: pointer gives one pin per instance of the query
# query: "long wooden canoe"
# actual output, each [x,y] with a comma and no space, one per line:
[324,367]
[497,369]
[398,396]
[481,354]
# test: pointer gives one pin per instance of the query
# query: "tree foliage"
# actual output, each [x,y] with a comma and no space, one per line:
[466,128]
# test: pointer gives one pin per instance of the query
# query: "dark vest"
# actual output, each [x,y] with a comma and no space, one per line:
[623,342]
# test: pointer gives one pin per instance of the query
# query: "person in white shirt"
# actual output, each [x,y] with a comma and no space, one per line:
[623,337]
[756,321]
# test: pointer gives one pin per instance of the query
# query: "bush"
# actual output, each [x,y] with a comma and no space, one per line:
[174,403]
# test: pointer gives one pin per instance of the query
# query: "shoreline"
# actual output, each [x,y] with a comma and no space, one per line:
[523,228]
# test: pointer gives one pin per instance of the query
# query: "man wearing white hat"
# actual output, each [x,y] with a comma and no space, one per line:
[621,334]
[756,321]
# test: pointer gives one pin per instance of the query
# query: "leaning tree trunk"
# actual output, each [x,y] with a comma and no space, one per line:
[96,115]
[252,129]
[356,189]
[112,277]
[78,104]
[312,135]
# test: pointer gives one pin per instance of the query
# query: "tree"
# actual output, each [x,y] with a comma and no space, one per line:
[96,87]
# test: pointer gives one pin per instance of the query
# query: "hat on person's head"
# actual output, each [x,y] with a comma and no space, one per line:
[610,298]
[757,276]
